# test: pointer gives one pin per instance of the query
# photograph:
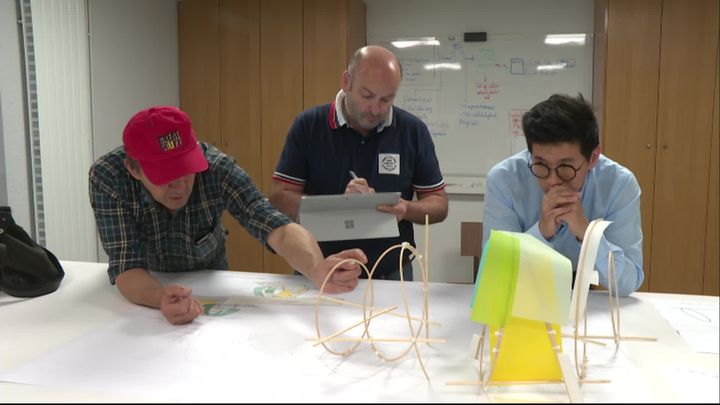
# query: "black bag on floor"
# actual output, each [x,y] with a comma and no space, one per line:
[26,268]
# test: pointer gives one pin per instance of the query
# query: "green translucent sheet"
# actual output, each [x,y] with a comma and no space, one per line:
[522,277]
[495,289]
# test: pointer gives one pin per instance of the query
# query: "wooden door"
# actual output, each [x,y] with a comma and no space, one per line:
[281,55]
[328,47]
[243,67]
[711,283]
[199,53]
[689,51]
[630,107]
[240,125]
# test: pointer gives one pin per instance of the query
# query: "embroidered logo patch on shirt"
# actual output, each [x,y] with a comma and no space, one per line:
[170,141]
[389,163]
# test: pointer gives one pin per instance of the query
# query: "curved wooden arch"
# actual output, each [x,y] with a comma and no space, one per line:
[370,312]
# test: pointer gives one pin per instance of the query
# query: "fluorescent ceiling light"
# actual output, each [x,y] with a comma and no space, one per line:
[406,43]
[565,39]
[450,66]
[556,66]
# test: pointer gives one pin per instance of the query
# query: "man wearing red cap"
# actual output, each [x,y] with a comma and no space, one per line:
[158,202]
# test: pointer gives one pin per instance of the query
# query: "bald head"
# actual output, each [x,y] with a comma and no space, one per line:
[370,84]
[376,58]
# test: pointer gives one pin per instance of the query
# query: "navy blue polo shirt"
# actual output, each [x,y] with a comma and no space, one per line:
[319,153]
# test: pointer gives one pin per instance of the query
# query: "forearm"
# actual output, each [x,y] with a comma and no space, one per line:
[628,272]
[629,280]
[138,286]
[287,202]
[434,205]
[298,247]
[624,238]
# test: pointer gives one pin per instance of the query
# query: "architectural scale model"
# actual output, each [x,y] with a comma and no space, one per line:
[571,377]
[416,324]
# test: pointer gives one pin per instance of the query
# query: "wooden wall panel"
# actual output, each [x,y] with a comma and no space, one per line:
[711,282]
[240,83]
[325,46]
[328,47]
[281,88]
[600,28]
[630,108]
[685,105]
[242,66]
[356,26]
[199,54]
[240,124]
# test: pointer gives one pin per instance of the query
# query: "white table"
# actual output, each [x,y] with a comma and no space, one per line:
[86,343]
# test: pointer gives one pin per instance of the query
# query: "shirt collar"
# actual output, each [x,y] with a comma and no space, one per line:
[340,115]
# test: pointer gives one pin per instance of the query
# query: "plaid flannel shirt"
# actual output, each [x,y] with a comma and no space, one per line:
[138,232]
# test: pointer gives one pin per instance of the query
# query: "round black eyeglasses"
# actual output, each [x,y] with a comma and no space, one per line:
[564,171]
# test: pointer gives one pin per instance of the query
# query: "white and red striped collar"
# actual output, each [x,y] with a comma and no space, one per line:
[337,117]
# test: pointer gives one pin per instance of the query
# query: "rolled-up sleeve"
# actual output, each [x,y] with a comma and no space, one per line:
[247,204]
[624,238]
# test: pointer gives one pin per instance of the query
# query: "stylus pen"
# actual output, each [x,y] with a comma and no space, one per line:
[353,175]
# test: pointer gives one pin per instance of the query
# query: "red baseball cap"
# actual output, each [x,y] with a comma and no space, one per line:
[162,140]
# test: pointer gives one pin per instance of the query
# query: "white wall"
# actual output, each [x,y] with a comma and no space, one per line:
[62,74]
[419,18]
[3,177]
[134,65]
[13,153]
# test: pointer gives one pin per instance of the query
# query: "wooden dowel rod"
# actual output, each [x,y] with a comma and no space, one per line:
[635,338]
[585,381]
[525,382]
[352,304]
[356,324]
[387,340]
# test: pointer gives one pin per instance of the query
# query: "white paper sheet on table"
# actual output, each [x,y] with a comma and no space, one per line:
[243,355]
[692,383]
[696,322]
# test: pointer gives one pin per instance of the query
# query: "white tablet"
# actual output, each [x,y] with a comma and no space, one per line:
[348,216]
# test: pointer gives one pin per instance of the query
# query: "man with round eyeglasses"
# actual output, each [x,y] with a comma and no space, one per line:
[561,182]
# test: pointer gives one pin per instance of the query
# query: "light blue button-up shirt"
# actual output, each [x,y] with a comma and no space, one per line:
[513,199]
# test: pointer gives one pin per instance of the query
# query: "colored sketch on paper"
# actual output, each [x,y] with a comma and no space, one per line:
[280,291]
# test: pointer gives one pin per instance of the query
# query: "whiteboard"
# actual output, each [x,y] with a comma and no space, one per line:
[473,102]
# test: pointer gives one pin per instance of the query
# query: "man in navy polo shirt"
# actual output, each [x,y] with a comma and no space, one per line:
[388,148]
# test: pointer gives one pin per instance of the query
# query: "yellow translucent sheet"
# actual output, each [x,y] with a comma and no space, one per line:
[543,291]
[526,353]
